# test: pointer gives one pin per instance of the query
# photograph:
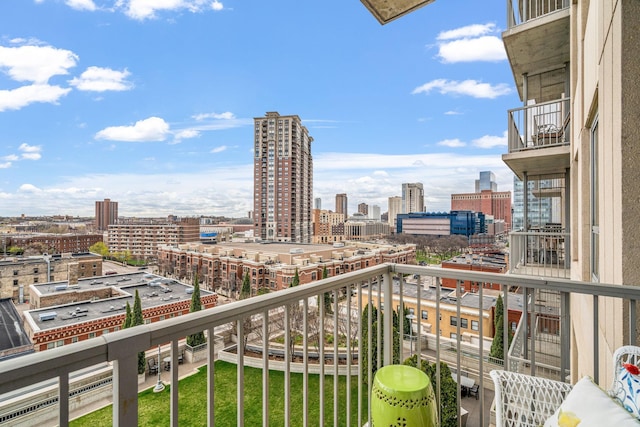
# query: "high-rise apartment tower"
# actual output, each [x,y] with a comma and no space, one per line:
[341,204]
[106,214]
[283,179]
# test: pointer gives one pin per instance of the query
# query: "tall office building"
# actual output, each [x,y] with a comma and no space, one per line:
[341,204]
[283,179]
[375,213]
[317,203]
[487,181]
[395,208]
[106,214]
[412,197]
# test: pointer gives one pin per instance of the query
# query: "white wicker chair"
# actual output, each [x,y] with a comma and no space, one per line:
[526,401]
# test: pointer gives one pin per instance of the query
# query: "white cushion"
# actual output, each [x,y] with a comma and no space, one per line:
[593,407]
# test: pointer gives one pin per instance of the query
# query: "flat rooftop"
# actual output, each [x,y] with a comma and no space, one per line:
[279,247]
[154,291]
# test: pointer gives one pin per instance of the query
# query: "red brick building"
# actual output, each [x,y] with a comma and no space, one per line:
[495,203]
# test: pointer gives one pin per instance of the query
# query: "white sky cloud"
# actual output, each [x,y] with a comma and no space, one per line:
[472,88]
[218,116]
[98,79]
[471,43]
[453,143]
[21,97]
[452,113]
[491,141]
[486,48]
[474,30]
[35,63]
[146,9]
[30,152]
[186,134]
[151,129]
[219,149]
[81,4]
[11,158]
[5,165]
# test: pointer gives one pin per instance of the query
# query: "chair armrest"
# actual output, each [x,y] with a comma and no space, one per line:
[524,400]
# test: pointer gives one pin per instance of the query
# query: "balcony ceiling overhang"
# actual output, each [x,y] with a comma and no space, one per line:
[539,46]
[544,161]
[387,10]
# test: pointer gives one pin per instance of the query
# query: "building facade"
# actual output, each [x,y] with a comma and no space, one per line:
[412,197]
[496,204]
[575,66]
[342,204]
[53,243]
[106,214]
[363,208]
[222,267]
[395,208]
[283,179]
[142,240]
[328,227]
[18,274]
[486,181]
[463,223]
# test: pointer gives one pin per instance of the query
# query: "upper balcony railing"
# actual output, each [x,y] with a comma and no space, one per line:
[539,253]
[521,11]
[539,126]
[303,313]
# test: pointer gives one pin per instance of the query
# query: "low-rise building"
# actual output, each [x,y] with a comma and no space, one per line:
[18,273]
[54,243]
[62,313]
[272,266]
[489,262]
[141,240]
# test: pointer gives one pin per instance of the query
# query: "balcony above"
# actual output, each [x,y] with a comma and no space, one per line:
[536,41]
[539,140]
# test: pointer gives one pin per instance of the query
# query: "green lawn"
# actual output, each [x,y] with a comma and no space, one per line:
[154,408]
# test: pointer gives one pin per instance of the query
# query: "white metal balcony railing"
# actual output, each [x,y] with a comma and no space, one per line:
[539,125]
[521,11]
[539,253]
[119,349]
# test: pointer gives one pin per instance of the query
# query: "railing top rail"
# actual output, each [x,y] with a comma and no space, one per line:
[552,284]
[538,105]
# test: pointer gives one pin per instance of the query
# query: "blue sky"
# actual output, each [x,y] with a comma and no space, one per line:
[151,102]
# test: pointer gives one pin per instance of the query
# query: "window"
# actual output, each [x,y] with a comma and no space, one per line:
[453,321]
[15,282]
[464,323]
[424,314]
[412,311]
[50,345]
[35,270]
[35,280]
[74,339]
[474,325]
[92,334]
[595,194]
[453,336]
[15,272]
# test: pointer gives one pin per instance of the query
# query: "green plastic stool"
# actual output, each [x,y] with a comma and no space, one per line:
[402,396]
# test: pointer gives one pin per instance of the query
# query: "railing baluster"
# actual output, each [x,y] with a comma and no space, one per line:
[174,383]
[305,363]
[336,309]
[360,359]
[370,342]
[265,368]
[125,390]
[348,341]
[63,399]
[321,333]
[596,340]
[240,372]
[287,365]
[632,322]
[458,364]
[437,332]
[481,352]
[211,417]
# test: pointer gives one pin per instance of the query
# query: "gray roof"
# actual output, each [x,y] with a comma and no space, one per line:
[153,290]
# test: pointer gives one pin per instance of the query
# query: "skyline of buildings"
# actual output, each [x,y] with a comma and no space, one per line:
[283,179]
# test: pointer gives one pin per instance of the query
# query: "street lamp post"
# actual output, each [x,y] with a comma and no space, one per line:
[159,386]
[410,318]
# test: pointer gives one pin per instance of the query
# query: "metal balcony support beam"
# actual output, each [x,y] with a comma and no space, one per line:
[211,420]
[565,334]
[174,383]
[125,390]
